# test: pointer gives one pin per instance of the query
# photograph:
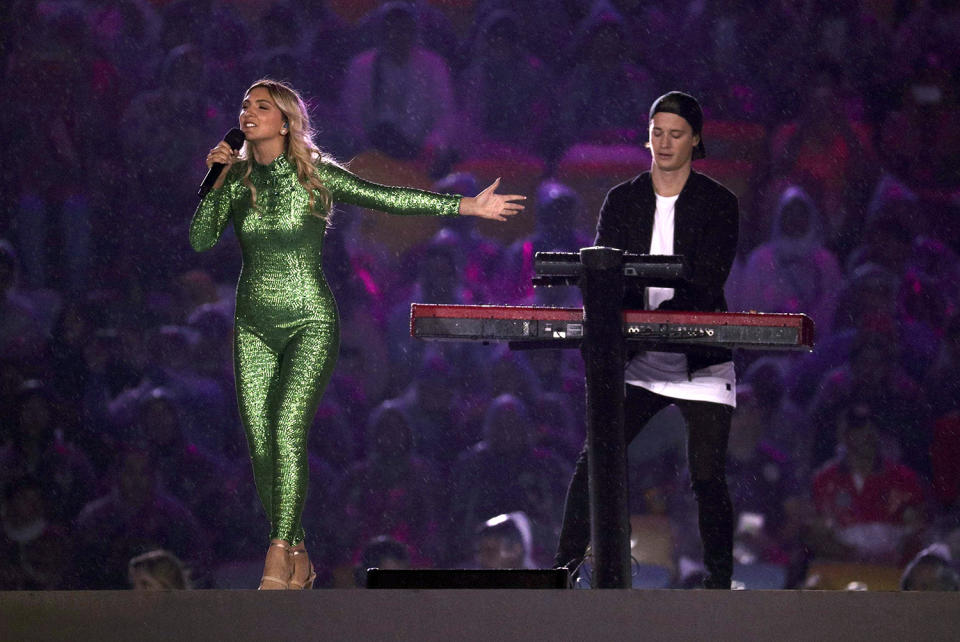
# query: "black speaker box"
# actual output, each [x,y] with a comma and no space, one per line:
[441,578]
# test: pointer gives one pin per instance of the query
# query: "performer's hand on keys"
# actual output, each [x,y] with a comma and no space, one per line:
[489,204]
[222,154]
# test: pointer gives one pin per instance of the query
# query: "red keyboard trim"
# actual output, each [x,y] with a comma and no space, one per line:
[541,313]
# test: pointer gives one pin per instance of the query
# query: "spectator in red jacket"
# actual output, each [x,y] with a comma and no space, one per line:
[870,508]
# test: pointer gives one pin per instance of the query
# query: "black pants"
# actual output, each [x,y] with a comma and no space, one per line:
[708,428]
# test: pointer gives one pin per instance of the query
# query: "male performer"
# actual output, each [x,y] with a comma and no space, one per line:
[674,210]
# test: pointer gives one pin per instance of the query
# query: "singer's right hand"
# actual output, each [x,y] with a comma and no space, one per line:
[222,154]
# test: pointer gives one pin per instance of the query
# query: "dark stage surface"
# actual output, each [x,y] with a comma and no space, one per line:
[479,615]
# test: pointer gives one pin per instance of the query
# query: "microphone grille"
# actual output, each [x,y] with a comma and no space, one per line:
[235,138]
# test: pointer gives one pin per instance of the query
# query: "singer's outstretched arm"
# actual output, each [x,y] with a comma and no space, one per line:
[346,187]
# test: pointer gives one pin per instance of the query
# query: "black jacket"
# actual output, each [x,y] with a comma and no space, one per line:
[706,225]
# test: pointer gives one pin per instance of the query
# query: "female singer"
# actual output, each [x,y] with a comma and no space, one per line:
[278,190]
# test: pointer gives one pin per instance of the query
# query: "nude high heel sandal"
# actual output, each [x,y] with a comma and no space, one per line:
[276,580]
[307,583]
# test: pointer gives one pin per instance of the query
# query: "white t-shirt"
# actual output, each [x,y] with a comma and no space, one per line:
[665,373]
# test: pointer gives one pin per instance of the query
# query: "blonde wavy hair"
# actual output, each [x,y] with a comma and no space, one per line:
[300,148]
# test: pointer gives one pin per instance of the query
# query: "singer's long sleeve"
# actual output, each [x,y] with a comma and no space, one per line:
[346,187]
[213,213]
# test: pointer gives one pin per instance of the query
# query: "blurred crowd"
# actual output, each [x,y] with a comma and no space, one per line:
[122,461]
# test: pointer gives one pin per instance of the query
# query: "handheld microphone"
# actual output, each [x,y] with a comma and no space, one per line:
[235,139]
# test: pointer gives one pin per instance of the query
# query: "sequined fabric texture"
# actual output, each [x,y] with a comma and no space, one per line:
[286,325]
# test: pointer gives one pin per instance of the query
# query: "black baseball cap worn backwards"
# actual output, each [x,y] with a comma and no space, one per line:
[687,107]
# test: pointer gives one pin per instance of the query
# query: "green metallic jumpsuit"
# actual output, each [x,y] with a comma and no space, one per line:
[286,327]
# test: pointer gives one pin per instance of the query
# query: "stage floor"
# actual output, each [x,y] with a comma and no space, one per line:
[495,614]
